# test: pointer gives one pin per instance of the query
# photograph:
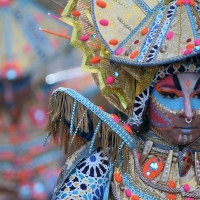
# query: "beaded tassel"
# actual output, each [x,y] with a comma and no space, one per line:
[121,154]
[76,130]
[72,118]
[46,138]
[94,136]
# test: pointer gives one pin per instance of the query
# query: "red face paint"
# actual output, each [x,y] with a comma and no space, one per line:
[167,85]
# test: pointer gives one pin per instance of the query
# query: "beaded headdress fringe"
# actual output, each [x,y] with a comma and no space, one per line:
[61,107]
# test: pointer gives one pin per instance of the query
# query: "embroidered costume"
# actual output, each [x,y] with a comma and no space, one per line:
[144,56]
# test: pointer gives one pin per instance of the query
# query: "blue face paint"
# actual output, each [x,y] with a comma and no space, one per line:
[176,104]
[195,103]
[174,111]
[172,104]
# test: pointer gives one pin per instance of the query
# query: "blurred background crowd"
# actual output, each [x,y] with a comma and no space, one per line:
[32,65]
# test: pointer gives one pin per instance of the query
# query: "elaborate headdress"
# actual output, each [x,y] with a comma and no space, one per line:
[123,41]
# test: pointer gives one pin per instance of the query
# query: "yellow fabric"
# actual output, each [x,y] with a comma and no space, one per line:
[131,80]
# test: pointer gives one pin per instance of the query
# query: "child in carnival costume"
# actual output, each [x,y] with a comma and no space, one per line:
[144,56]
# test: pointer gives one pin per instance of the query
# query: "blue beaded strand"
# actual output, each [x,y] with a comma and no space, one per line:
[72,118]
[46,138]
[120,154]
[94,136]
[192,22]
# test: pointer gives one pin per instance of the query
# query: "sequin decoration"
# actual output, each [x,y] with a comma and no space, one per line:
[104,22]
[93,36]
[113,42]
[197,49]
[116,74]
[144,31]
[76,13]
[95,60]
[136,41]
[197,42]
[115,118]
[110,80]
[163,49]
[170,35]
[152,167]
[185,162]
[84,38]
[118,178]
[101,4]
[134,54]
[119,51]
[188,51]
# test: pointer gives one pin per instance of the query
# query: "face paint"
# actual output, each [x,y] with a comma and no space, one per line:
[166,103]
[188,91]
[158,119]
[175,105]
[184,97]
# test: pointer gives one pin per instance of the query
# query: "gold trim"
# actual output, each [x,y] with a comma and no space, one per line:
[166,171]
[197,166]
[146,151]
[130,81]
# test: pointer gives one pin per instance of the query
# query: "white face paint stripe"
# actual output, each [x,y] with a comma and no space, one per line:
[188,84]
[188,107]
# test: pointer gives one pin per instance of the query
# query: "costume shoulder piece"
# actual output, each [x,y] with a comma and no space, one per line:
[130,47]
[74,121]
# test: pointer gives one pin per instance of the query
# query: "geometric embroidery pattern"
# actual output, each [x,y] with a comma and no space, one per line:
[88,180]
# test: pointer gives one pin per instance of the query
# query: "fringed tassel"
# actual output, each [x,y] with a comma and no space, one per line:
[72,118]
[77,144]
[46,138]
[94,119]
[121,156]
[77,128]
[64,136]
[125,153]
[116,141]
[94,136]
[64,108]
[79,113]
[105,138]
